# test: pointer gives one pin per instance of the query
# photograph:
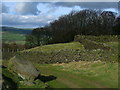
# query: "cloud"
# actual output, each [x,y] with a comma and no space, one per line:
[46,7]
[25,21]
[27,8]
[84,0]
[91,5]
[4,9]
[36,14]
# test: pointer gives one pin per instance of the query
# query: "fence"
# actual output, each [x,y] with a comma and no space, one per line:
[10,50]
[7,53]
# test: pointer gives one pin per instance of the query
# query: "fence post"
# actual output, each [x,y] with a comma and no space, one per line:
[2,49]
[8,50]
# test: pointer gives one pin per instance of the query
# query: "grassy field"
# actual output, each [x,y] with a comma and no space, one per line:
[82,74]
[14,35]
[8,37]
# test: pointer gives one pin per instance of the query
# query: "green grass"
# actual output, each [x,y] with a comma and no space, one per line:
[82,74]
[8,37]
[15,79]
[56,47]
[67,52]
[8,74]
[114,45]
[39,84]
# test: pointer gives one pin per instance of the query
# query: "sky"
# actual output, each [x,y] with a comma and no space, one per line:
[39,14]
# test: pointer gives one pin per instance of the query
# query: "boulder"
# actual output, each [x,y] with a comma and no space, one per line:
[23,68]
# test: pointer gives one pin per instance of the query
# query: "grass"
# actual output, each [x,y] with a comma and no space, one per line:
[8,74]
[14,35]
[67,52]
[14,79]
[8,37]
[56,47]
[85,74]
[82,74]
[39,84]
[62,52]
[114,45]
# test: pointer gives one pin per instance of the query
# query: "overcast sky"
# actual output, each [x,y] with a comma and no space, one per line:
[37,14]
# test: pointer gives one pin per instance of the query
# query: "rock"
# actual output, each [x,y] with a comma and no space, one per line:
[23,68]
[29,83]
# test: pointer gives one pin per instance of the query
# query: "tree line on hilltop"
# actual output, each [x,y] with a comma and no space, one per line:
[85,22]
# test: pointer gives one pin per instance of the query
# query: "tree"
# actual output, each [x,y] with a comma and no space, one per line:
[117,26]
[108,19]
[84,22]
[30,41]
[39,36]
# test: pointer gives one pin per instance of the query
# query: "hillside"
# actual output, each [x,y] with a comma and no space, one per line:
[16,30]
[68,52]
[74,46]
[61,67]
[17,35]
[57,47]
[73,74]
[83,74]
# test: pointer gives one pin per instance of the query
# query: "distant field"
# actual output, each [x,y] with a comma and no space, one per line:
[8,37]
[14,35]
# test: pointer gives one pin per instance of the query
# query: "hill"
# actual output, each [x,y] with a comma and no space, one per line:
[16,30]
[57,47]
[68,52]
[61,67]
[17,35]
